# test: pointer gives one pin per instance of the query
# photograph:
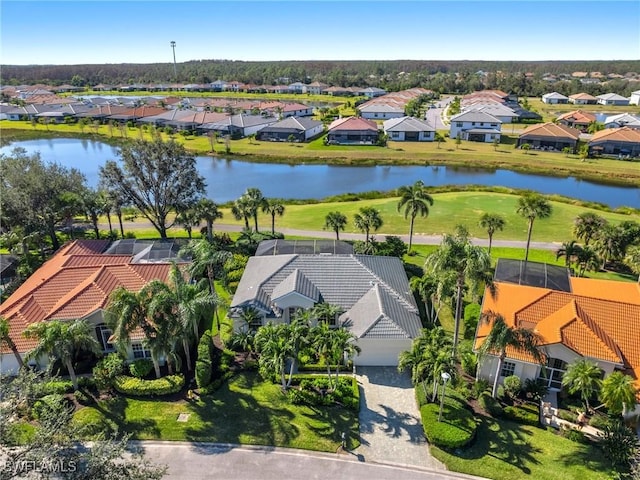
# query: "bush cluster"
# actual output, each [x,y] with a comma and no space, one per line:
[313,390]
[568,416]
[204,361]
[490,405]
[143,388]
[457,428]
[107,369]
[140,368]
[526,414]
[56,386]
[49,405]
[216,384]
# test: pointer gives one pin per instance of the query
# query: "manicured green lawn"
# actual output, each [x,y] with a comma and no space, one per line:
[505,450]
[247,410]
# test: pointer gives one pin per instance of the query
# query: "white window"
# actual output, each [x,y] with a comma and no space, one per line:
[395,134]
[103,333]
[459,124]
[139,351]
[508,369]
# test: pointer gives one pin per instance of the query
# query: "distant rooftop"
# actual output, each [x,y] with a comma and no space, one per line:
[147,251]
[532,274]
[303,247]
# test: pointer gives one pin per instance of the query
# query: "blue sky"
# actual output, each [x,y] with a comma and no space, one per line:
[75,32]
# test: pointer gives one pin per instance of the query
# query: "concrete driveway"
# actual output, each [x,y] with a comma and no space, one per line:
[390,428]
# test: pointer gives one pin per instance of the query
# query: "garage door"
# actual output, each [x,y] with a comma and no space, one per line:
[380,352]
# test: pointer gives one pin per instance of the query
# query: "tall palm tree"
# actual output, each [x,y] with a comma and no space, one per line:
[62,340]
[492,222]
[208,211]
[502,336]
[344,347]
[432,290]
[458,256]
[570,251]
[586,226]
[335,221]
[162,329]
[273,208]
[322,343]
[241,210]
[326,312]
[188,218]
[583,376]
[366,220]
[5,339]
[205,258]
[416,201]
[532,206]
[619,393]
[609,244]
[587,260]
[256,202]
[632,260]
[274,348]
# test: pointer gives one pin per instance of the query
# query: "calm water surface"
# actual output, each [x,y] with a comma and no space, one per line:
[227,179]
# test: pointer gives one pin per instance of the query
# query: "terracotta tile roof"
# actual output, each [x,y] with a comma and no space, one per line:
[624,134]
[600,319]
[353,123]
[74,283]
[550,130]
[582,96]
[578,116]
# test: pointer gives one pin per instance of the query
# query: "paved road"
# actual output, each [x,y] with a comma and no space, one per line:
[199,461]
[418,238]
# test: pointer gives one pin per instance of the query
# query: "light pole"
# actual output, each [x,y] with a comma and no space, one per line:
[175,71]
[445,378]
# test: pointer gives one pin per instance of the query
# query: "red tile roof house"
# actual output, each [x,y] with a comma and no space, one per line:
[75,284]
[577,119]
[616,141]
[595,319]
[549,136]
[352,131]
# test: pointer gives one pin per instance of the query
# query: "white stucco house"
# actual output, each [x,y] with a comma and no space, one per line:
[554,98]
[475,126]
[612,99]
[372,292]
[634,99]
[381,111]
[409,129]
[574,317]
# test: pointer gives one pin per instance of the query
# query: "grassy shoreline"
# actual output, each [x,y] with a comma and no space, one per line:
[470,155]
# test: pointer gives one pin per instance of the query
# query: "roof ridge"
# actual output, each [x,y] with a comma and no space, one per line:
[386,285]
[599,332]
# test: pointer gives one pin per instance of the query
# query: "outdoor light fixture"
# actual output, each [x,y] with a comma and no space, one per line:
[445,378]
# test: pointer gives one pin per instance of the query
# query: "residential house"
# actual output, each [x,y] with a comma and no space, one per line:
[498,110]
[239,126]
[554,98]
[577,119]
[635,98]
[296,87]
[337,91]
[409,129]
[612,99]
[135,113]
[296,110]
[590,319]
[218,86]
[380,111]
[622,120]
[76,283]
[549,136]
[315,88]
[623,141]
[8,269]
[372,292]
[352,131]
[371,92]
[297,129]
[475,127]
[582,99]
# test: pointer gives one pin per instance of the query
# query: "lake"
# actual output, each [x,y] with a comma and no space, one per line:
[228,178]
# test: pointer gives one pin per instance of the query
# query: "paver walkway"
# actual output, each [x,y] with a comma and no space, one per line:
[390,428]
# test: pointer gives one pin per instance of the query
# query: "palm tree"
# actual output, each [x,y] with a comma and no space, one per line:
[327,312]
[205,258]
[207,210]
[491,222]
[587,260]
[532,206]
[162,329]
[583,376]
[570,251]
[335,221]
[619,393]
[322,343]
[609,244]
[502,336]
[632,260]
[432,290]
[344,347]
[274,348]
[5,339]
[458,256]
[256,202]
[241,210]
[586,226]
[188,219]
[416,201]
[273,208]
[366,220]
[62,340]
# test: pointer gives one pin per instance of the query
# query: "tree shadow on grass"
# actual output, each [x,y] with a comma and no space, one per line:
[233,415]
[589,455]
[333,422]
[504,441]
[114,419]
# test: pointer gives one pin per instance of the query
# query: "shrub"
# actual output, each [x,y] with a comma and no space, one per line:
[457,428]
[49,405]
[534,389]
[471,317]
[573,435]
[83,398]
[469,363]
[490,405]
[142,388]
[526,414]
[512,386]
[216,384]
[568,416]
[141,368]
[204,361]
[106,371]
[479,387]
[599,421]
[58,387]
[315,390]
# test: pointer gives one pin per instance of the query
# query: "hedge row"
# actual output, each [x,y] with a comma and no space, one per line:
[457,428]
[525,414]
[216,384]
[142,388]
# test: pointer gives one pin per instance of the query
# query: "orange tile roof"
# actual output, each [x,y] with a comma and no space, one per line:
[624,134]
[578,116]
[550,129]
[353,123]
[582,96]
[600,319]
[74,283]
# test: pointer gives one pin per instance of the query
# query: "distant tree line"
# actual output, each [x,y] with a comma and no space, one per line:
[393,75]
